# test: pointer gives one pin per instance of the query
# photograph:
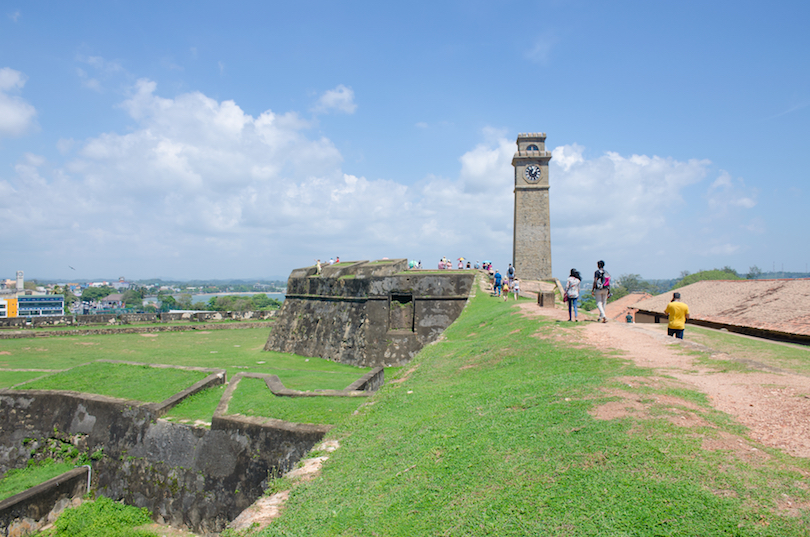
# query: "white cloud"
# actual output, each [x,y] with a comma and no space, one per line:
[17,117]
[726,193]
[87,82]
[613,201]
[541,48]
[566,156]
[15,16]
[198,188]
[340,99]
[103,70]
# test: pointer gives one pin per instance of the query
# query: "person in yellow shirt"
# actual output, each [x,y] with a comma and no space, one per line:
[678,313]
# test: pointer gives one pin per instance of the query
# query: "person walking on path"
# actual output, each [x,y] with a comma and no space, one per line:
[498,278]
[510,273]
[678,313]
[516,288]
[505,290]
[572,290]
[601,289]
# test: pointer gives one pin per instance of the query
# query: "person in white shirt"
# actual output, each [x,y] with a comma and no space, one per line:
[572,292]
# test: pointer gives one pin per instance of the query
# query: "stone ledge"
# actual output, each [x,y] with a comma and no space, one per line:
[30,510]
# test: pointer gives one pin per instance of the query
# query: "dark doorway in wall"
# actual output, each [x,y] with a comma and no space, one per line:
[401,312]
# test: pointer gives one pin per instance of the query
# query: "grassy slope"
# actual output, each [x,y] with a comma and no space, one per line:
[490,435]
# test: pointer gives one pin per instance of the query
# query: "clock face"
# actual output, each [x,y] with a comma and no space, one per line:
[532,173]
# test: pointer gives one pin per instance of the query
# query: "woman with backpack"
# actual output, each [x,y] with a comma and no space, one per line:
[572,292]
[601,289]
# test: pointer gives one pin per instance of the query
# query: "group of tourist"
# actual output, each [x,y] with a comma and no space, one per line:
[446,264]
[501,286]
[319,265]
[676,310]
[600,291]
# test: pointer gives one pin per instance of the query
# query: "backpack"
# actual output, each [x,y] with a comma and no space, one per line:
[603,280]
[511,272]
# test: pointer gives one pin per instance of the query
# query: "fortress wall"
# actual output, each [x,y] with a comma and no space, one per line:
[367,314]
[187,476]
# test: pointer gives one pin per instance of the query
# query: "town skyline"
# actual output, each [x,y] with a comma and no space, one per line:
[194,143]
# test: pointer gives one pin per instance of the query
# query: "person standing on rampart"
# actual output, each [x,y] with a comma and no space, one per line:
[678,314]
[498,278]
[572,292]
[601,289]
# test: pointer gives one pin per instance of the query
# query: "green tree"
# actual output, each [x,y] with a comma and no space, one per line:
[133,298]
[262,302]
[729,270]
[96,293]
[634,283]
[185,302]
[167,302]
[754,273]
[716,274]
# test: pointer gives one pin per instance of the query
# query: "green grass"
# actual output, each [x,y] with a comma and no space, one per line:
[253,398]
[238,350]
[491,435]
[10,378]
[101,518]
[199,406]
[233,350]
[142,383]
[775,354]
[20,480]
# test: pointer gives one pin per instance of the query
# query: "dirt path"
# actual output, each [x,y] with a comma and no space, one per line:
[773,404]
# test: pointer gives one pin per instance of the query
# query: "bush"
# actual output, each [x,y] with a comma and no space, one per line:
[103,518]
[726,273]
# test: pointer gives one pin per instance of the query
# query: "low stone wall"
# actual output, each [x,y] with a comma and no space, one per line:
[133,318]
[132,330]
[27,512]
[642,316]
[187,476]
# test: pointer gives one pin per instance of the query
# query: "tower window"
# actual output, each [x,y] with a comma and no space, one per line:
[532,148]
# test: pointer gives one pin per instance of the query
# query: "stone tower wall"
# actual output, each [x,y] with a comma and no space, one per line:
[532,235]
[531,247]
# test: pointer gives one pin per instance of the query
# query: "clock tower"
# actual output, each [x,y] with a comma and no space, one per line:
[531,247]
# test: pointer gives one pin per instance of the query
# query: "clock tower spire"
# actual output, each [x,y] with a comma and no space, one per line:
[531,247]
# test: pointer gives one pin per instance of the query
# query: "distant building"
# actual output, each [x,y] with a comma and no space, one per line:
[8,307]
[113,301]
[40,305]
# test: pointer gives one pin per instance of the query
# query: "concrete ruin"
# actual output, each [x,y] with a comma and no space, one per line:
[368,314]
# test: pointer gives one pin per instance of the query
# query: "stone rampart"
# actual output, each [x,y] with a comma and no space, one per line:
[187,476]
[368,314]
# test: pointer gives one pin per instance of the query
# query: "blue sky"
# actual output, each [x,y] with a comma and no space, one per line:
[243,139]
